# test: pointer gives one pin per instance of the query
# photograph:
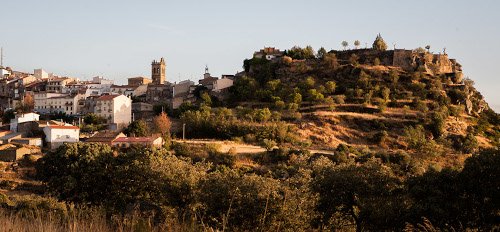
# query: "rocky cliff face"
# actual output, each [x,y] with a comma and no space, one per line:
[474,101]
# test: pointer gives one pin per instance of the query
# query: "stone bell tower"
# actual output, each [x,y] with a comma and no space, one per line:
[158,72]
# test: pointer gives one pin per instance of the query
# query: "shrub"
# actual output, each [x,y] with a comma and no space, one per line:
[415,136]
[269,144]
[470,144]
[339,99]
[219,158]
[380,137]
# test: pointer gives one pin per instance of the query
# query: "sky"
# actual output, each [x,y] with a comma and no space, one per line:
[119,39]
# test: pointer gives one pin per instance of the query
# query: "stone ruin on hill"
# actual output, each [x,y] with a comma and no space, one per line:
[408,60]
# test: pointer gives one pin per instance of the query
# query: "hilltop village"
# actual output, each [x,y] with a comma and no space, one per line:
[358,139]
[37,102]
[43,110]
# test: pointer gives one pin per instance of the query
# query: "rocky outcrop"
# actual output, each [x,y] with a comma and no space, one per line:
[474,102]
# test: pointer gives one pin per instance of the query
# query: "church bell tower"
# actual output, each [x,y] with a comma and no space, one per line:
[158,72]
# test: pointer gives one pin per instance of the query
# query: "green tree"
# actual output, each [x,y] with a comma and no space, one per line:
[314,95]
[8,115]
[239,203]
[470,144]
[437,124]
[244,88]
[207,100]
[93,119]
[379,43]
[273,85]
[357,43]
[330,60]
[480,177]
[438,196]
[345,44]
[330,86]
[138,128]
[321,53]
[386,92]
[263,115]
[415,136]
[364,195]
[295,98]
[393,77]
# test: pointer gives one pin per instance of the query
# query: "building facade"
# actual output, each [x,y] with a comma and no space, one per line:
[48,103]
[116,109]
[57,135]
[136,81]
[158,72]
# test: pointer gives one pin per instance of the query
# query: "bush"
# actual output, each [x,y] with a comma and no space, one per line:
[415,136]
[268,144]
[469,144]
[219,158]
[380,137]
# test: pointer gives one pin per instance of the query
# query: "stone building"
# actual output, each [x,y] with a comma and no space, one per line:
[125,142]
[142,110]
[136,81]
[11,153]
[158,93]
[407,60]
[269,53]
[158,72]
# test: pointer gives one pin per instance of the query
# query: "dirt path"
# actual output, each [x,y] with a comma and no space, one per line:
[224,146]
[240,148]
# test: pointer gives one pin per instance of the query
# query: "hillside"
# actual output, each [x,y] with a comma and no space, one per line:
[354,140]
[400,101]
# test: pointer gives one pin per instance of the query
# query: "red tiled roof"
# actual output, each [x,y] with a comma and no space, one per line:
[135,140]
[107,97]
[106,136]
[64,127]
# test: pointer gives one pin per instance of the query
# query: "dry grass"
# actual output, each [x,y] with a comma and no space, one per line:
[95,222]
[50,222]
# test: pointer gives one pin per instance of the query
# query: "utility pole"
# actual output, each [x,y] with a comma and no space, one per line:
[1,56]
[184,131]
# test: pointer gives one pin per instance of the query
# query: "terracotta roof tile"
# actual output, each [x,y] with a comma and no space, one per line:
[107,97]
[64,127]
[135,140]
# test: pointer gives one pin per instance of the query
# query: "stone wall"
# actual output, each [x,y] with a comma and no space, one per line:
[366,56]
[408,60]
[404,59]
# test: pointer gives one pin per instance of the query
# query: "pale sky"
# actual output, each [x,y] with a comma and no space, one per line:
[119,39]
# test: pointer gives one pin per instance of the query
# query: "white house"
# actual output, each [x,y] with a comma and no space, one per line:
[116,109]
[4,72]
[57,135]
[40,74]
[20,118]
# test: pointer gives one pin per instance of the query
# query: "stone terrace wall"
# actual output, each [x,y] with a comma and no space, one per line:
[404,59]
[366,56]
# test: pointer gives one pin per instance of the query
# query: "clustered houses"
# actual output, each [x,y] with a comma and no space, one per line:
[50,94]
